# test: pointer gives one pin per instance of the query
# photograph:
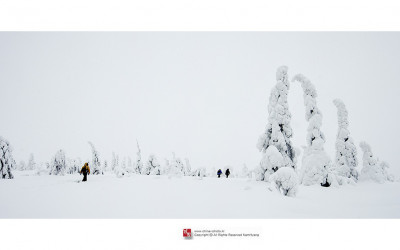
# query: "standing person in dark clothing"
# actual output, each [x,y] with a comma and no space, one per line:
[227,173]
[219,173]
[85,171]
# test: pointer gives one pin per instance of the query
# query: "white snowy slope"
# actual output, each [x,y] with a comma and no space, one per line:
[149,196]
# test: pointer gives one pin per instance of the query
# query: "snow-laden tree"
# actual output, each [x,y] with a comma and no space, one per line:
[187,168]
[285,180]
[7,162]
[316,167]
[152,166]
[176,167]
[271,161]
[165,170]
[114,161]
[31,163]
[147,167]
[278,131]
[373,169]
[95,167]
[346,151]
[139,164]
[58,164]
[200,173]
[116,166]
[74,165]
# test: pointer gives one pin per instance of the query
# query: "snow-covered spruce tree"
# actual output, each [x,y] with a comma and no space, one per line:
[58,165]
[286,181]
[147,167]
[117,168]
[200,173]
[114,161]
[316,167]
[166,169]
[139,164]
[69,166]
[31,163]
[373,169]
[278,131]
[188,168]
[7,162]
[176,166]
[73,165]
[271,161]
[152,166]
[346,151]
[95,167]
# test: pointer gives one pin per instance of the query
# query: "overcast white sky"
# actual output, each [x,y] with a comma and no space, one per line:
[201,95]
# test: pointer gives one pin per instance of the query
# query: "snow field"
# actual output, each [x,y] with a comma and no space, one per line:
[155,197]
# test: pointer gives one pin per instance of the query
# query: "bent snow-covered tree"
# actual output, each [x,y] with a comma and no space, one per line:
[316,162]
[58,165]
[346,151]
[95,166]
[278,131]
[373,169]
[7,162]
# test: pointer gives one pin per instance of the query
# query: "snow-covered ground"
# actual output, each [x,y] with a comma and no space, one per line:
[136,196]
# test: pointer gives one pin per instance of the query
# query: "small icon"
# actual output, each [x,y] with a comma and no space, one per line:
[187,233]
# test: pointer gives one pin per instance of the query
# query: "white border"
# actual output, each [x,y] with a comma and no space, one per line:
[167,234]
[210,15]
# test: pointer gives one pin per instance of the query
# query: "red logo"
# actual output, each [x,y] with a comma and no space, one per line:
[187,233]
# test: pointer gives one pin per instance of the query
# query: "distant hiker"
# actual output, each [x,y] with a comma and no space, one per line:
[219,173]
[85,171]
[227,173]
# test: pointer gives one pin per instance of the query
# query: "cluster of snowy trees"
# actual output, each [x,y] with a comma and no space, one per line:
[278,164]
[278,160]
[61,165]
